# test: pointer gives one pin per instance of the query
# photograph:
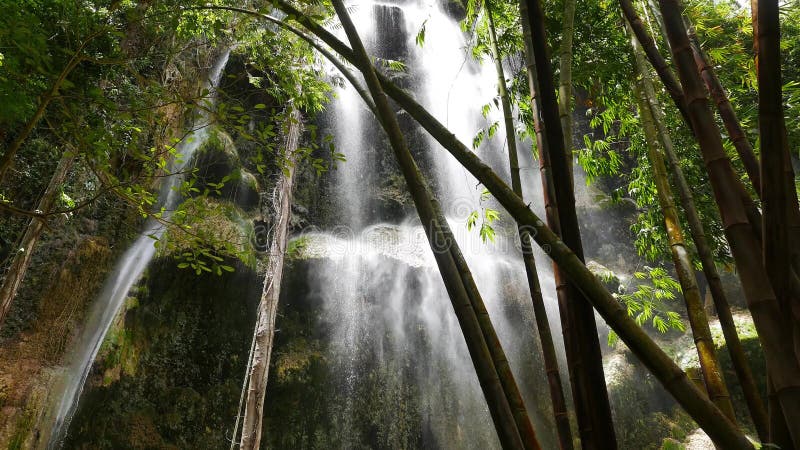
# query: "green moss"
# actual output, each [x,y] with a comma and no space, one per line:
[219,143]
[22,430]
[296,246]
[206,223]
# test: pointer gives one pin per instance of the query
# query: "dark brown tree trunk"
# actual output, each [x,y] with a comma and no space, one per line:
[776,201]
[583,348]
[726,112]
[258,371]
[24,250]
[679,98]
[505,402]
[778,429]
[744,242]
[779,201]
[542,324]
[654,56]
[738,357]
[663,368]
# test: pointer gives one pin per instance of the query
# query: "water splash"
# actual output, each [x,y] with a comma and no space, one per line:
[126,273]
[377,283]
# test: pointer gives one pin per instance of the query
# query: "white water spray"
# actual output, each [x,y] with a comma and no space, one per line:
[380,290]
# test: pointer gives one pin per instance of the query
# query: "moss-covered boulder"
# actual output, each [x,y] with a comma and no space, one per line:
[207,230]
[220,172]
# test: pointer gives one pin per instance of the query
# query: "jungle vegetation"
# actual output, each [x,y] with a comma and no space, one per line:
[694,109]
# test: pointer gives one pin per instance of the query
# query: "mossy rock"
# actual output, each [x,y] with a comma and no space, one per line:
[191,336]
[207,224]
[646,416]
[220,172]
[644,413]
[686,355]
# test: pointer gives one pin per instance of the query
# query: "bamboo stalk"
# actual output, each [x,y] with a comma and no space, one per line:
[726,112]
[679,98]
[656,59]
[738,357]
[708,416]
[559,404]
[709,364]
[584,359]
[565,78]
[775,336]
[778,197]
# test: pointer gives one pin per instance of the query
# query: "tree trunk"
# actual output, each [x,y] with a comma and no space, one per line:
[674,380]
[258,371]
[583,348]
[565,79]
[24,251]
[726,112]
[658,363]
[779,201]
[778,429]
[542,324]
[505,402]
[709,364]
[776,338]
[654,56]
[679,98]
[738,357]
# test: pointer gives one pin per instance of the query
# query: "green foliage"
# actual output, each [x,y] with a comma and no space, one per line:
[296,246]
[485,133]
[420,37]
[289,70]
[506,20]
[486,231]
[648,303]
[204,234]
[138,79]
[598,159]
[392,64]
[487,217]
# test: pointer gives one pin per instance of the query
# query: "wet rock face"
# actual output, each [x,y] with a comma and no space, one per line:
[26,375]
[367,357]
[323,396]
[170,373]
[390,37]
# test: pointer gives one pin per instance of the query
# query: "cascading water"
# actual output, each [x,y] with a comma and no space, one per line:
[381,295]
[127,272]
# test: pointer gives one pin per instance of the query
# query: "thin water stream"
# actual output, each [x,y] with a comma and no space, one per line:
[126,273]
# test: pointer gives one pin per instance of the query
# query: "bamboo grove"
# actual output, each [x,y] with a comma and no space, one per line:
[723,193]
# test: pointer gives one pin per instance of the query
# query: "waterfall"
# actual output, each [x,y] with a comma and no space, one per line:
[375,278]
[126,273]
